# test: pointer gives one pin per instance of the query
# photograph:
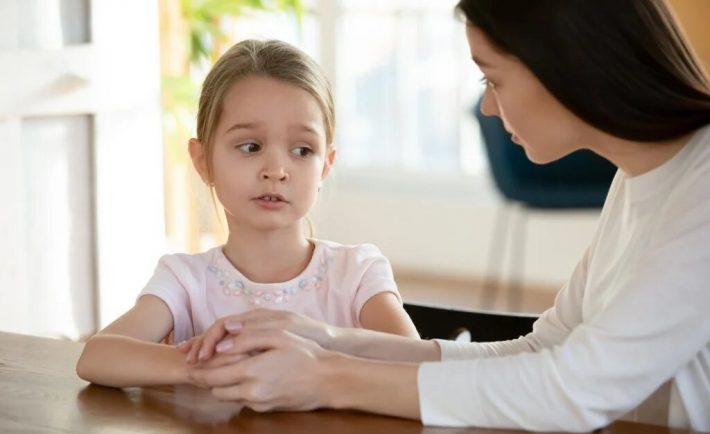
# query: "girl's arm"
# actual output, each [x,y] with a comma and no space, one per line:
[383,312]
[127,352]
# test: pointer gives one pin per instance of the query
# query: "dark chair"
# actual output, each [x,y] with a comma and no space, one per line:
[577,181]
[475,326]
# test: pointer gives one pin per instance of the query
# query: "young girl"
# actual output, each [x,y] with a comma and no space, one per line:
[265,130]
[629,334]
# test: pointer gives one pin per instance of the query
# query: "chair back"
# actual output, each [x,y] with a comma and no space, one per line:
[442,323]
[579,180]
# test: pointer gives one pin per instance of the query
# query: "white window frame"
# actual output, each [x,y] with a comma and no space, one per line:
[113,79]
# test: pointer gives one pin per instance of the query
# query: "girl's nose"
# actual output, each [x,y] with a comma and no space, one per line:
[276,173]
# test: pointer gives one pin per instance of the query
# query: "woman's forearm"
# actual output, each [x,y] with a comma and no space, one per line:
[373,386]
[120,361]
[381,346]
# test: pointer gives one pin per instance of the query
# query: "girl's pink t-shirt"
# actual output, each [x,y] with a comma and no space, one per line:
[333,288]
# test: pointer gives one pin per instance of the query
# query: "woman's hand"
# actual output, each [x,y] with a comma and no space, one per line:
[272,370]
[202,348]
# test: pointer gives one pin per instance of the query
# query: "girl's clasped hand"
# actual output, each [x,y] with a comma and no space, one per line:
[222,337]
[267,345]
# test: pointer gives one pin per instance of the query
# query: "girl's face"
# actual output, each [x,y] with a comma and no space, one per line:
[537,121]
[269,155]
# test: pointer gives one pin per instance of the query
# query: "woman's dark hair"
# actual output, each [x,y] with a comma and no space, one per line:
[621,65]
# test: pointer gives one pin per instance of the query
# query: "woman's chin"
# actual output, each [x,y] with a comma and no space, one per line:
[539,158]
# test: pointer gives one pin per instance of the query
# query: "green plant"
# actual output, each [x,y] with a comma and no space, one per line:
[205,23]
[205,20]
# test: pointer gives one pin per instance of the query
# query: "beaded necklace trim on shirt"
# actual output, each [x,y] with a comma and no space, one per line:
[234,285]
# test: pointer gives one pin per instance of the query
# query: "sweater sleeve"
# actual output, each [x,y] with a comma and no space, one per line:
[551,329]
[607,365]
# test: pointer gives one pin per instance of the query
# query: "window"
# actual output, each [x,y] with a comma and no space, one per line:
[403,79]
[405,86]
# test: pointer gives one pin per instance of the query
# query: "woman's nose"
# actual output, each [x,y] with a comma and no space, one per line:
[489,107]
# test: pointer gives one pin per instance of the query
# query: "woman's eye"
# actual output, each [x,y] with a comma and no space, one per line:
[302,151]
[486,82]
[249,148]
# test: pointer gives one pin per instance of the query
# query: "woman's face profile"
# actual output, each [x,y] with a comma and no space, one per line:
[536,120]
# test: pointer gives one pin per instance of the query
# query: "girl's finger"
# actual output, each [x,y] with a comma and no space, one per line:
[184,346]
[255,315]
[192,355]
[220,360]
[255,341]
[213,335]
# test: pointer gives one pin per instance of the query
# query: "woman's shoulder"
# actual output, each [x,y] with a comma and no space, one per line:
[684,206]
[678,180]
[699,151]
[694,169]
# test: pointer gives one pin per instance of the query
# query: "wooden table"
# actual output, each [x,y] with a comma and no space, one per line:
[40,393]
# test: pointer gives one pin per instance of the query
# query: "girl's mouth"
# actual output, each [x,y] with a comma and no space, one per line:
[271,197]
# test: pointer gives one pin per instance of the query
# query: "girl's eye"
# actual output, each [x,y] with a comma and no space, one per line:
[249,148]
[302,151]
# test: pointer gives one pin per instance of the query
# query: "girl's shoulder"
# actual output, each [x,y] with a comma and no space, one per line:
[335,246]
[179,275]
[181,263]
[192,257]
[333,251]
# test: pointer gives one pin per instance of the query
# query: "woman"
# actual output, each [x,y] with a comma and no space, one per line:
[629,333]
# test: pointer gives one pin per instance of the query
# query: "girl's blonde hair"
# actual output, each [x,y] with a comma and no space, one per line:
[272,59]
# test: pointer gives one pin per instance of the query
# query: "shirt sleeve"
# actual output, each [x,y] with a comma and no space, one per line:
[376,277]
[166,285]
[608,364]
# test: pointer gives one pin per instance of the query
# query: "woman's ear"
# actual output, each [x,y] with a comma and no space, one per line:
[329,161]
[199,159]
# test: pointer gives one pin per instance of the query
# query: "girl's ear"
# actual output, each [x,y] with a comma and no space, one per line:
[199,159]
[329,161]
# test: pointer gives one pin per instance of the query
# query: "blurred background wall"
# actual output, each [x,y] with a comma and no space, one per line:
[97,102]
